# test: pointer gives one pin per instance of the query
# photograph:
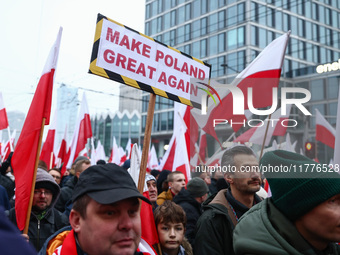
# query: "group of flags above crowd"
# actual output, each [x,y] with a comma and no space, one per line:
[189,132]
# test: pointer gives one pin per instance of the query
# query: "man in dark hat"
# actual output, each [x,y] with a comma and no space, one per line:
[105,217]
[45,219]
[303,214]
[190,200]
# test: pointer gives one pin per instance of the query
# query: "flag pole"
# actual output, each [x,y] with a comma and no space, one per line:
[265,136]
[146,143]
[28,215]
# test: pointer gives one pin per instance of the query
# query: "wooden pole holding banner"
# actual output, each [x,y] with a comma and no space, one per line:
[146,143]
[265,136]
[28,215]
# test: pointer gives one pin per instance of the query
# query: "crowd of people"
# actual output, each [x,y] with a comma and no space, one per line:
[95,209]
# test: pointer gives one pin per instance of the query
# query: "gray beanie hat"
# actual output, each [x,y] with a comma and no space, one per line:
[197,187]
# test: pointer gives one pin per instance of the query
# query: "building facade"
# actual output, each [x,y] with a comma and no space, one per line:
[229,34]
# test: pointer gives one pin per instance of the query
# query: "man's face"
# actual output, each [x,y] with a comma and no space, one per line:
[247,178]
[170,235]
[178,183]
[109,229]
[42,199]
[56,175]
[152,187]
[321,225]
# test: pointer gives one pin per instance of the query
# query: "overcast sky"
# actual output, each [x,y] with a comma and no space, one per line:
[28,30]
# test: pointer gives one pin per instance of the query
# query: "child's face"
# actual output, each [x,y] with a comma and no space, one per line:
[170,235]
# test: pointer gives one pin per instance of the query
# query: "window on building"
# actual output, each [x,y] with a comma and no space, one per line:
[333,87]
[172,37]
[187,12]
[187,49]
[221,19]
[332,111]
[204,6]
[203,26]
[125,126]
[203,48]
[232,16]
[232,39]
[180,35]
[173,18]
[196,29]
[159,24]
[240,13]
[213,22]
[170,120]
[221,43]
[317,90]
[196,49]
[220,69]
[213,45]
[134,125]
[232,63]
[160,6]
[155,123]
[213,5]
[147,11]
[181,15]
[154,8]
[196,8]
[163,124]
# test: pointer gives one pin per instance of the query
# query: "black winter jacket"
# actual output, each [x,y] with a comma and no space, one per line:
[193,211]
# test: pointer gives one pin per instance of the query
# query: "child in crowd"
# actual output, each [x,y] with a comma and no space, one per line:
[170,223]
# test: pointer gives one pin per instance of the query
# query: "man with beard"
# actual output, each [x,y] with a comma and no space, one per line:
[45,219]
[214,229]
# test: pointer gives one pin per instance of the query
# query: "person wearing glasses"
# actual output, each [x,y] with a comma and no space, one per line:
[55,174]
[45,219]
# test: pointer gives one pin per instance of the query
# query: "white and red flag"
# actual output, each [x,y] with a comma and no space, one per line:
[82,132]
[7,147]
[27,149]
[176,158]
[324,132]
[64,153]
[3,114]
[262,75]
[115,154]
[256,134]
[152,159]
[47,153]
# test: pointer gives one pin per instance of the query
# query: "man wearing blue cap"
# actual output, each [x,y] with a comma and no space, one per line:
[105,217]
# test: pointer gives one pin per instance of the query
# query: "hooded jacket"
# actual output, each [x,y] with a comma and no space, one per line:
[265,230]
[41,228]
[193,211]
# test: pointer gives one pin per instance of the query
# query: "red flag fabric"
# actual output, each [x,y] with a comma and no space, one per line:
[24,156]
[82,132]
[47,152]
[324,132]
[203,146]
[149,231]
[3,114]
[63,154]
[262,75]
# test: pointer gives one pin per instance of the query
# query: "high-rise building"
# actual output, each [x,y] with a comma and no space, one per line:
[67,109]
[229,34]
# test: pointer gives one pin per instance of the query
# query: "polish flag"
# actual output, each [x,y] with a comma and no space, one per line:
[64,153]
[6,149]
[152,159]
[3,114]
[47,152]
[27,149]
[148,226]
[82,132]
[122,155]
[324,132]
[100,152]
[115,154]
[256,134]
[128,148]
[262,75]
[174,159]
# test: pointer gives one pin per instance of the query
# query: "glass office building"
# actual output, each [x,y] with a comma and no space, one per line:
[229,34]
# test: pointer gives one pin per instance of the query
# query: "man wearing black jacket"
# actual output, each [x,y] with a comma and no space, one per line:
[45,219]
[214,229]
[191,200]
